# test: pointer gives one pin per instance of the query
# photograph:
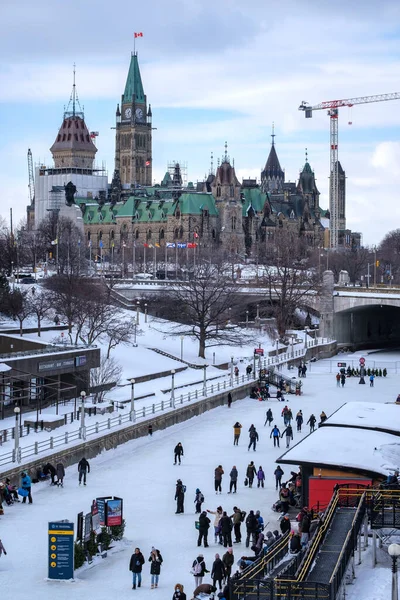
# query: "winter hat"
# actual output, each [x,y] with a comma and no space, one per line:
[275,532]
[217,556]
[197,490]
[269,534]
[200,556]
[258,513]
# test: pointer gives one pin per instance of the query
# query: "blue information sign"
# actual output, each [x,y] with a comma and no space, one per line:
[61,550]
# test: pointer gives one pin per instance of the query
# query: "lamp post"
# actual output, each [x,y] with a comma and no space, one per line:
[17,410]
[258,312]
[394,552]
[145,312]
[205,381]
[231,371]
[83,428]
[173,388]
[137,312]
[277,349]
[182,338]
[305,337]
[230,315]
[291,346]
[247,319]
[132,413]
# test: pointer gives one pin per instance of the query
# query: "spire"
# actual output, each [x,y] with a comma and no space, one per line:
[273,134]
[212,164]
[307,168]
[134,88]
[226,156]
[74,101]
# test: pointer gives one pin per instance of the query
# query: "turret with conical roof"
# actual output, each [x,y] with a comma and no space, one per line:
[307,185]
[272,176]
[73,146]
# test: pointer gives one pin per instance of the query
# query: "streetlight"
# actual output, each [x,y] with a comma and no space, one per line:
[137,312]
[231,371]
[247,319]
[132,413]
[305,337]
[230,315]
[394,552]
[277,349]
[291,344]
[17,410]
[182,338]
[173,388]
[258,312]
[145,312]
[83,428]
[205,380]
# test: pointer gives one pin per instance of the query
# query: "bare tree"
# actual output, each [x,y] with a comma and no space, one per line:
[104,377]
[288,281]
[389,253]
[18,306]
[66,294]
[201,307]
[119,332]
[41,305]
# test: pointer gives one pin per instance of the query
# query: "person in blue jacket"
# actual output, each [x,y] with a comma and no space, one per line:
[26,484]
[275,433]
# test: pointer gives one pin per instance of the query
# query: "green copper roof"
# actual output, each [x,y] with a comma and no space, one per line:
[134,87]
[307,168]
[254,197]
[95,216]
[194,204]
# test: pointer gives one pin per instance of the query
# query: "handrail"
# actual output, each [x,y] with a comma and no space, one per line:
[266,558]
[360,508]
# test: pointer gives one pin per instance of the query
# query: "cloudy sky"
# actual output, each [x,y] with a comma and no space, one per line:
[213,72]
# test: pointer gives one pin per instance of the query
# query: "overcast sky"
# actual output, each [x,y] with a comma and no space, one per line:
[213,72]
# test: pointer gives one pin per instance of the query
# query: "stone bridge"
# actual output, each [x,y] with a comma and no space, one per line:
[359,317]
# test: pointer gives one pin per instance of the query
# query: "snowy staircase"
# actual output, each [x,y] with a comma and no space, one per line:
[192,365]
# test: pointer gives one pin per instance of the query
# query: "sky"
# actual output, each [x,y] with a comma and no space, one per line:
[213,72]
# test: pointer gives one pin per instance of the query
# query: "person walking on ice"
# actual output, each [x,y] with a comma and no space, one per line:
[269,418]
[178,452]
[289,435]
[236,433]
[311,421]
[275,433]
[253,435]
[83,469]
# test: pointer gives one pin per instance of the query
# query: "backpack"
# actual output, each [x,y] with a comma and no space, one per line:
[201,499]
[242,515]
[197,568]
[184,489]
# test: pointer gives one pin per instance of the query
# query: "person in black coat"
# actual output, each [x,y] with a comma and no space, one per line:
[218,572]
[226,529]
[251,527]
[135,565]
[204,525]
[179,594]
[179,496]
[49,469]
[285,524]
[295,544]
[155,567]
[178,452]
[83,469]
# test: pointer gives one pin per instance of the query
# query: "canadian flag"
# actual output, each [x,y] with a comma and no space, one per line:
[147,163]
[140,34]
[195,235]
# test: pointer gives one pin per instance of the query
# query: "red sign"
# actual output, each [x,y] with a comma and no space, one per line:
[259,351]
[362,361]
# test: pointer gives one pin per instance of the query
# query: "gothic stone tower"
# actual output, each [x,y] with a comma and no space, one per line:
[226,191]
[133,144]
[272,176]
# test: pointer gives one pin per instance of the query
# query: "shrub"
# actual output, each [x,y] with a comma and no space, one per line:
[104,538]
[384,372]
[117,531]
[91,545]
[79,555]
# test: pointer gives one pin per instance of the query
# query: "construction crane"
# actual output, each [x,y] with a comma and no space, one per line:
[31,183]
[332,107]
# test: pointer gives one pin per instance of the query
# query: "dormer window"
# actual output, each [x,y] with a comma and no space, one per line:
[218,191]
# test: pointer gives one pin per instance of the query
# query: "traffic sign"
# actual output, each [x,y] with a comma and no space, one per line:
[341,364]
[61,550]
[362,361]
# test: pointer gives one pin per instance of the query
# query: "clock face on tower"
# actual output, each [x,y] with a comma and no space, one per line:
[139,114]
[128,113]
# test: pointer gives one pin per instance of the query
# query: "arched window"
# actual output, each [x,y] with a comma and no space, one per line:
[100,235]
[88,236]
[112,234]
[149,234]
[176,233]
[137,234]
[232,191]
[181,233]
[214,235]
[233,223]
[218,191]
[162,235]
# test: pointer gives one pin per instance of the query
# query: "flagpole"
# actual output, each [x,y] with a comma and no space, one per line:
[144,259]
[166,262]
[155,261]
[176,260]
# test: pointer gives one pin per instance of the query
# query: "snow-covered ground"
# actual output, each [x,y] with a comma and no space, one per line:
[143,474]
